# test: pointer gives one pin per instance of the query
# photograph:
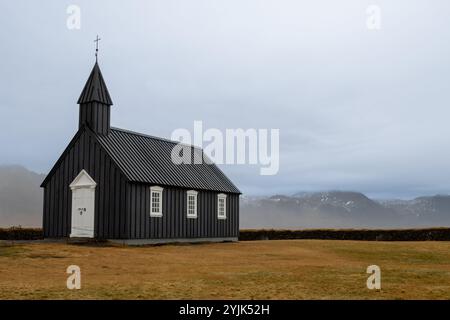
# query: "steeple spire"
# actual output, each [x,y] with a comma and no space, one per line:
[95,89]
[95,103]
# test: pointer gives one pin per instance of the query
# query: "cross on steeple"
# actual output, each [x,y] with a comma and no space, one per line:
[96,47]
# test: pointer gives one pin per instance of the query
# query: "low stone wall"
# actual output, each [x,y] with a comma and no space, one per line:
[436,234]
[17,233]
[430,234]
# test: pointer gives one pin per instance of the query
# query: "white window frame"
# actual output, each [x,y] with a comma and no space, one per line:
[222,196]
[158,190]
[191,193]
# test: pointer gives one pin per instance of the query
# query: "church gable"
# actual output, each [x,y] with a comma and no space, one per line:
[84,151]
[85,162]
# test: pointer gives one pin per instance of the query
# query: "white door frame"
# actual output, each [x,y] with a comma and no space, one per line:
[83,206]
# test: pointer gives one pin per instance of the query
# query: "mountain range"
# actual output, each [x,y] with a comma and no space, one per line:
[343,209]
[21,204]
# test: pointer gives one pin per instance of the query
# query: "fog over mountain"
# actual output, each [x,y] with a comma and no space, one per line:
[20,197]
[342,209]
[21,204]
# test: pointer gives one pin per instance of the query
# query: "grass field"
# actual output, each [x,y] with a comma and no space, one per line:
[282,269]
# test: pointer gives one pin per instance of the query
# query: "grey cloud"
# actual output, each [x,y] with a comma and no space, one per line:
[356,109]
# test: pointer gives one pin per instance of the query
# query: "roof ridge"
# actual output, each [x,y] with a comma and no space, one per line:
[155,137]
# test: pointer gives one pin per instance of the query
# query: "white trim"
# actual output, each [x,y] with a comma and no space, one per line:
[157,190]
[83,180]
[188,194]
[222,196]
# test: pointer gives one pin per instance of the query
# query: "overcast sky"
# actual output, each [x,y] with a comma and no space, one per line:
[357,109]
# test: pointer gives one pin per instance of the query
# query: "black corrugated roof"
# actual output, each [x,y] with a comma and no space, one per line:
[147,159]
[95,89]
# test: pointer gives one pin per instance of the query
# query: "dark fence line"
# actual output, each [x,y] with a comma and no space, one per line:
[17,233]
[434,234]
[430,234]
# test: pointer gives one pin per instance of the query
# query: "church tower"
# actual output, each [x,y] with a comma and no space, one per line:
[95,103]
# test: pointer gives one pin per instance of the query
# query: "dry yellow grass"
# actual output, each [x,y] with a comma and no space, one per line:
[291,269]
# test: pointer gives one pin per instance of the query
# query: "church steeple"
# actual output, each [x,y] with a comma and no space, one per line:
[95,103]
[95,88]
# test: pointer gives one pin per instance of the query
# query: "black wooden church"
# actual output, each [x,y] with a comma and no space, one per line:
[116,184]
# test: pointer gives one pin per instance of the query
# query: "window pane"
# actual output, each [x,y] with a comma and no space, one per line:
[156,202]
[192,205]
[221,207]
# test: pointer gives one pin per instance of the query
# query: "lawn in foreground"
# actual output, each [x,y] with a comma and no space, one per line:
[282,269]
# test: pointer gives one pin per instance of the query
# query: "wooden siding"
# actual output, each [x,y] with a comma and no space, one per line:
[96,116]
[174,222]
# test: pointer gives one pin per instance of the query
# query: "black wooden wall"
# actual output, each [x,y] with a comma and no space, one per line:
[174,222]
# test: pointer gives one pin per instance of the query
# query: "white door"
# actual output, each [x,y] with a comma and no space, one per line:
[83,206]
